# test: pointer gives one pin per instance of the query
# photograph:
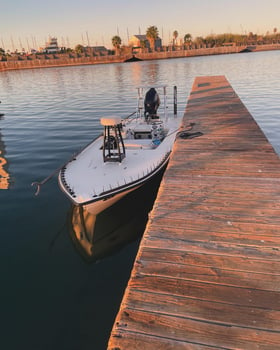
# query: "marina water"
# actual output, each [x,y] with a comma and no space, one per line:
[51,298]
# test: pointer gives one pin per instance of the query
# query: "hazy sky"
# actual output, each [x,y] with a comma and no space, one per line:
[31,22]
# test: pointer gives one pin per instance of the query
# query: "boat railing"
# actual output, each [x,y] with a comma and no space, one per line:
[130,118]
[138,114]
[140,99]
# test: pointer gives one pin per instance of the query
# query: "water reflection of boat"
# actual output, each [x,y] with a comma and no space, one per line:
[1,115]
[130,153]
[4,174]
[97,236]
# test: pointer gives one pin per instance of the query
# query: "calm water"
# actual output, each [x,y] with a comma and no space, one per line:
[50,297]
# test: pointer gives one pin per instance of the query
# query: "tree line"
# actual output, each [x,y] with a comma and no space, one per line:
[212,40]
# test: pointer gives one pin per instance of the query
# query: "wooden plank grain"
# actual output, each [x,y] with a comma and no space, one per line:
[195,331]
[217,248]
[211,190]
[180,306]
[215,261]
[243,238]
[240,296]
[202,223]
[211,274]
[230,206]
[182,212]
[124,340]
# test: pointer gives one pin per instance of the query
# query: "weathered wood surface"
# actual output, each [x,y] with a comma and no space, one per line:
[207,274]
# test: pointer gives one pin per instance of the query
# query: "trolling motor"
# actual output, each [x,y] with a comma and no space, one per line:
[151,104]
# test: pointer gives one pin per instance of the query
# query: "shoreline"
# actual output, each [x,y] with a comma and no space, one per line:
[64,60]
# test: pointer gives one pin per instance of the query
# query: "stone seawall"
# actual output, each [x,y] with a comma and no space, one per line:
[57,61]
[44,61]
[192,52]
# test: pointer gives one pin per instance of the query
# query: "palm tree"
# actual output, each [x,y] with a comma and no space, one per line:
[187,38]
[116,41]
[175,36]
[152,35]
[79,48]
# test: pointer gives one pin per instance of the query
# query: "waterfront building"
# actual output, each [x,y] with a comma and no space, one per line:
[137,41]
[96,50]
[52,46]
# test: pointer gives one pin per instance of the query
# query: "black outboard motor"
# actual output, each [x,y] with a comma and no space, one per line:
[151,104]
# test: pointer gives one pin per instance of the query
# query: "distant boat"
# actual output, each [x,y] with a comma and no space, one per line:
[129,153]
[133,59]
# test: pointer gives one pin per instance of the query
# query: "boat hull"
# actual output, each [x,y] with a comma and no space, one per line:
[97,236]
[98,205]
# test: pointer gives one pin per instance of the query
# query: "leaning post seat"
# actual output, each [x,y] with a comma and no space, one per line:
[113,146]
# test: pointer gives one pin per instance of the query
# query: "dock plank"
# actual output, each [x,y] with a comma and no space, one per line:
[214,261]
[196,331]
[207,271]
[170,268]
[197,309]
[210,291]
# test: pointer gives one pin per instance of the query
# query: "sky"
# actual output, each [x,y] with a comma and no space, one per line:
[30,23]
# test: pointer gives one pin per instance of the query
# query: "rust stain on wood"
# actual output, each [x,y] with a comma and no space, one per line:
[207,272]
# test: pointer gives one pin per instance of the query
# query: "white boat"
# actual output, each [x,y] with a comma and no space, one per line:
[127,155]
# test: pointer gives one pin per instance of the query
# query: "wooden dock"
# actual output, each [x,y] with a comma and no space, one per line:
[207,274]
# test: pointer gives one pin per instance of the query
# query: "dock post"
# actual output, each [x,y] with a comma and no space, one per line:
[175,100]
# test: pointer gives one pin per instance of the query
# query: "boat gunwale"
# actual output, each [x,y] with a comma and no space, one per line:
[103,196]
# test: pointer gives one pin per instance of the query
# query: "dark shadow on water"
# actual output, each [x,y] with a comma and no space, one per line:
[4,164]
[96,237]
[88,285]
[91,310]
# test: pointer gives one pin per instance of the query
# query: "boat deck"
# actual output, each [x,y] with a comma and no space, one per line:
[207,274]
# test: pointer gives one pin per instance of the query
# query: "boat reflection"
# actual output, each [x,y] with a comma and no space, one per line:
[4,174]
[1,114]
[98,236]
